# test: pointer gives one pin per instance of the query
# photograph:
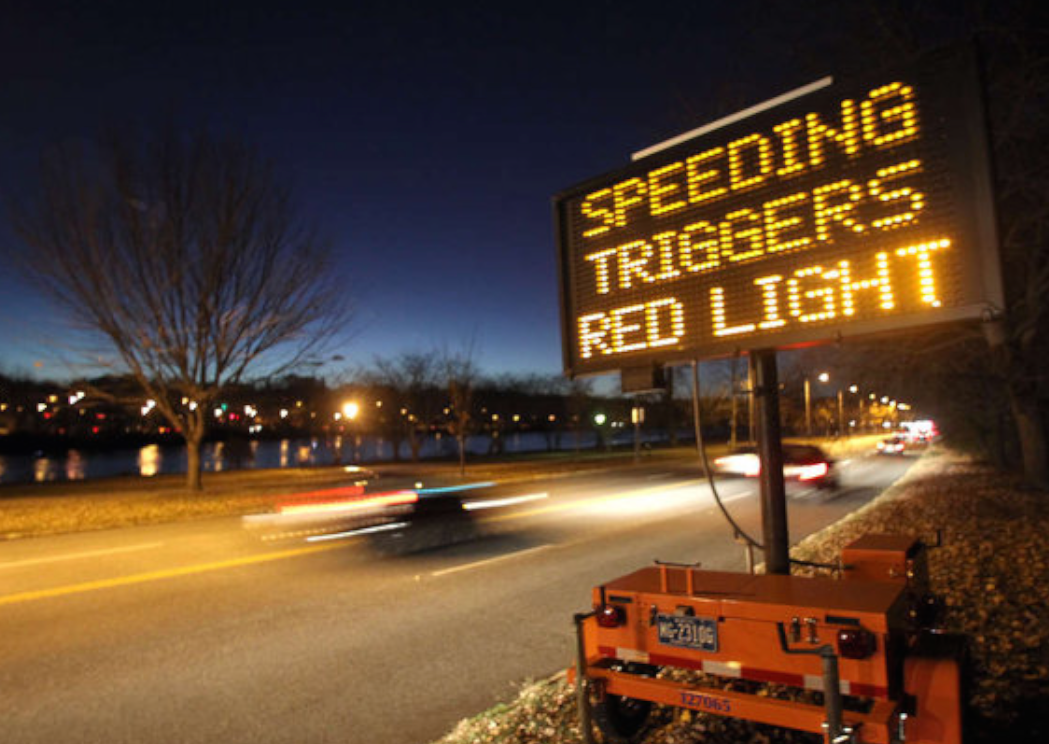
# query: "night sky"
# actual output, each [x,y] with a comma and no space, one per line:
[425,139]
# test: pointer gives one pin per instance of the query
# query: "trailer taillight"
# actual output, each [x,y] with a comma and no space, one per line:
[856,643]
[611,616]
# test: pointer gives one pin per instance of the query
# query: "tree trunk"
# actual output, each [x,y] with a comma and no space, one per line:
[462,455]
[1033,445]
[1023,401]
[414,444]
[194,467]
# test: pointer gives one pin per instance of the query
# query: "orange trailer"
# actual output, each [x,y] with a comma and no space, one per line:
[867,641]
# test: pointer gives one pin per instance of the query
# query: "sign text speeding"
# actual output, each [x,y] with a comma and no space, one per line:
[860,208]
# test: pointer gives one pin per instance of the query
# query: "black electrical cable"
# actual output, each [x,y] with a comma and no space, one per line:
[706,462]
[739,531]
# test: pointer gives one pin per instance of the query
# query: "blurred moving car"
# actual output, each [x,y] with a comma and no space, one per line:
[803,463]
[892,446]
[391,522]
[400,521]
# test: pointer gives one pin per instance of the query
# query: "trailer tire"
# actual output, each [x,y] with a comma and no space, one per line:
[624,720]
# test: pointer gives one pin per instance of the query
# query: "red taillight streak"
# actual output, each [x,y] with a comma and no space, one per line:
[392,498]
[813,472]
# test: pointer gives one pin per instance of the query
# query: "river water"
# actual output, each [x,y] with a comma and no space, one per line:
[154,459]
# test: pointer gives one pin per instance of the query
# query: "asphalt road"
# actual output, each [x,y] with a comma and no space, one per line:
[197,633]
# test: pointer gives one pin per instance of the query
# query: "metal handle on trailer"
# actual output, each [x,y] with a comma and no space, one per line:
[664,575]
[836,730]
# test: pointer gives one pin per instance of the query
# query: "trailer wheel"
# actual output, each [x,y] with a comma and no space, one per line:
[623,720]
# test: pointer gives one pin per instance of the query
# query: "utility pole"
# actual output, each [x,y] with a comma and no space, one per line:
[773,491]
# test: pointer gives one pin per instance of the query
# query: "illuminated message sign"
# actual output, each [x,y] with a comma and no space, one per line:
[855,208]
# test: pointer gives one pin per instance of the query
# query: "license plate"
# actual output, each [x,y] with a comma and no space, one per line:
[683,631]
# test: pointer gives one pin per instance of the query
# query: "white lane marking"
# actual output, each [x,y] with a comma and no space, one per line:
[489,561]
[77,556]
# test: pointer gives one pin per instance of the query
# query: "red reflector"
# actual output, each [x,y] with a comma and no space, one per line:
[610,616]
[856,643]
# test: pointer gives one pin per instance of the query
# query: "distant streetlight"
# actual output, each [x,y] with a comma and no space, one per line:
[637,417]
[822,377]
[600,419]
[351,409]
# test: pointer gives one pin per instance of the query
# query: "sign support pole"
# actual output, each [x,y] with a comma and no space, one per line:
[773,491]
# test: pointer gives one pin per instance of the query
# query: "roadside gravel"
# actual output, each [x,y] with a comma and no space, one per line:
[992,570]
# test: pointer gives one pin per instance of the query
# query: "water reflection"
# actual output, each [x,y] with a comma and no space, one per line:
[75,466]
[153,460]
[149,460]
[218,457]
[41,470]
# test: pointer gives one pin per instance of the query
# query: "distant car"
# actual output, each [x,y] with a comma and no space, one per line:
[892,446]
[804,463]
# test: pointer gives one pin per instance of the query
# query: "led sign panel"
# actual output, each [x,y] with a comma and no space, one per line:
[859,208]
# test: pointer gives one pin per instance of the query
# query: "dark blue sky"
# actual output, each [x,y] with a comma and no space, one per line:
[427,139]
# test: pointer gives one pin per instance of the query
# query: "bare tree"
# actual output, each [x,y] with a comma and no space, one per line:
[187,257]
[580,391]
[412,378]
[461,374]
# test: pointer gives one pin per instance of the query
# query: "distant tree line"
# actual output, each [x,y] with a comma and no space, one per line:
[406,398]
[402,399]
